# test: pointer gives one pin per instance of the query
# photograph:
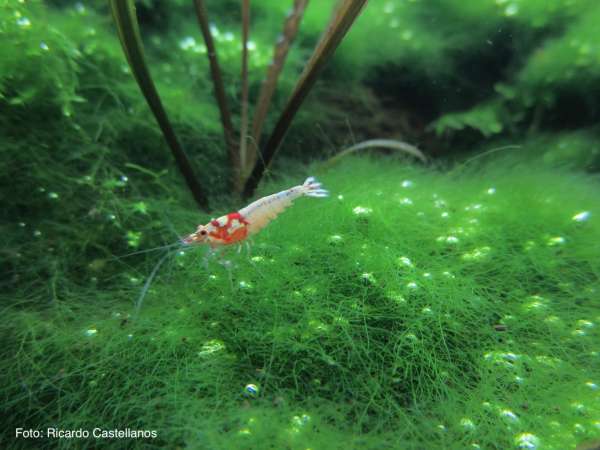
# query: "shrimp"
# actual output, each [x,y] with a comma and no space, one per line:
[233,228]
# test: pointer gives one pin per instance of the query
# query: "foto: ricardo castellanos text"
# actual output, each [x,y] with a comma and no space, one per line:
[81,433]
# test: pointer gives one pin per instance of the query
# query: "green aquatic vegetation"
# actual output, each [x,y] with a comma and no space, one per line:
[129,34]
[483,118]
[128,29]
[575,150]
[566,65]
[557,68]
[411,309]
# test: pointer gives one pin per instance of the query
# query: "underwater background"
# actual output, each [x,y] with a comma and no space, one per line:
[446,295]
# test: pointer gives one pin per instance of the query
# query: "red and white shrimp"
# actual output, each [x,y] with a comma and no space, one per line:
[233,228]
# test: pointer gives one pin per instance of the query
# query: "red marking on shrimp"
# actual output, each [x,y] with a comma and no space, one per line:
[238,216]
[230,233]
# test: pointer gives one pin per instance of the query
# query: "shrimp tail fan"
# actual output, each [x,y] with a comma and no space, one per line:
[313,188]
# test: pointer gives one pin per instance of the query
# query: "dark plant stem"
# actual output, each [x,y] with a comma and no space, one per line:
[215,72]
[290,29]
[344,17]
[244,119]
[129,35]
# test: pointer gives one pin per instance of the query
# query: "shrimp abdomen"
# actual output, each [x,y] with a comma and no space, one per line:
[259,213]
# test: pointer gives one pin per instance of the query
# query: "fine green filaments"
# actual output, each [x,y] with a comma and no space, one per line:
[411,310]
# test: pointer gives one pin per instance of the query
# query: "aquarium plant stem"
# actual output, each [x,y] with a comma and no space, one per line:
[129,35]
[346,13]
[244,121]
[217,79]
[378,143]
[282,47]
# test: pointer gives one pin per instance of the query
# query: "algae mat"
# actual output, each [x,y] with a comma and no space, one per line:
[412,309]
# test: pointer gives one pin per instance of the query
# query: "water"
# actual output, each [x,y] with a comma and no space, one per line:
[438,289]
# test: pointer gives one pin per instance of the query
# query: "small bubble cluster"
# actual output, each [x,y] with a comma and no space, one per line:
[362,211]
[210,347]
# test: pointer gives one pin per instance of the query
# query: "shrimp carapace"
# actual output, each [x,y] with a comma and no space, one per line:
[234,227]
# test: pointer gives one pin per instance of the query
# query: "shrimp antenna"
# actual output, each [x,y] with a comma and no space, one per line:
[140,252]
[140,300]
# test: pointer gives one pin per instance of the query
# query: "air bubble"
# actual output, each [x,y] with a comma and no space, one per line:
[511,10]
[582,216]
[527,441]
[335,239]
[23,22]
[558,240]
[467,424]
[251,390]
[187,43]
[405,261]
[245,285]
[508,414]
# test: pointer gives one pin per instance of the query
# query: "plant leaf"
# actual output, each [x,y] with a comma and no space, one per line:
[129,35]
[244,120]
[215,73]
[346,12]
[290,29]
[378,143]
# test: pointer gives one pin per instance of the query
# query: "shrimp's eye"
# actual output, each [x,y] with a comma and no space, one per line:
[203,232]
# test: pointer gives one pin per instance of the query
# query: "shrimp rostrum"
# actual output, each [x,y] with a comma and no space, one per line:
[236,227]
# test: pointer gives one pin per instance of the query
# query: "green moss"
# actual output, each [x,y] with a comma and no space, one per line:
[410,309]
